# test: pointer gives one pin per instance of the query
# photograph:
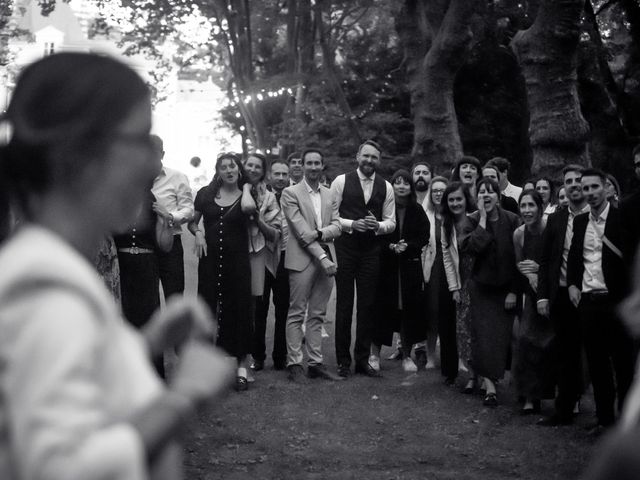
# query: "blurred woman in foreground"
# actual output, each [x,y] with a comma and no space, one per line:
[80,398]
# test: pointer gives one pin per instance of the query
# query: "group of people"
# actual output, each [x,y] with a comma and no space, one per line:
[460,261]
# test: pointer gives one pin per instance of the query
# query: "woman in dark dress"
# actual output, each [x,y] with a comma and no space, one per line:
[138,266]
[492,286]
[224,275]
[400,306]
[533,362]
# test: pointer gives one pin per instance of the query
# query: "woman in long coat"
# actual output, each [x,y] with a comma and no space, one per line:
[400,290]
[492,287]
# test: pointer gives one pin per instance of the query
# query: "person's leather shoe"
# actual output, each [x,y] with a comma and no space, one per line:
[554,421]
[344,371]
[320,371]
[296,374]
[367,370]
[257,365]
[421,359]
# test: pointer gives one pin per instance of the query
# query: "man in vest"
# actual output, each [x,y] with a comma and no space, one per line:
[366,207]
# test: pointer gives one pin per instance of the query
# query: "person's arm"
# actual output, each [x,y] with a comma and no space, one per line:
[543,306]
[478,240]
[333,230]
[575,263]
[337,188]
[60,426]
[449,265]
[420,235]
[388,223]
[184,201]
[268,219]
[200,246]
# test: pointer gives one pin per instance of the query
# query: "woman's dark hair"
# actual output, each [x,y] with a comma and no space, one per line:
[615,183]
[64,112]
[455,176]
[552,188]
[216,182]
[489,184]
[265,165]
[537,198]
[404,174]
[447,216]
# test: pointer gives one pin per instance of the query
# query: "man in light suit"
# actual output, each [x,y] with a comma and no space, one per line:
[313,223]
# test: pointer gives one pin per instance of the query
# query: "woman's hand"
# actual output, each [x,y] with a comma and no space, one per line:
[200,247]
[510,301]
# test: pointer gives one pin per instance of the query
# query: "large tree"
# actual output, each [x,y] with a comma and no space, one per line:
[436,35]
[547,53]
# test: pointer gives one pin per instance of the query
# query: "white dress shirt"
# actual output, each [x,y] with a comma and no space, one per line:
[172,191]
[316,201]
[512,191]
[593,277]
[568,236]
[388,223]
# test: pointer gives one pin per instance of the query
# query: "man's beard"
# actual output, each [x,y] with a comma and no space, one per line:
[421,186]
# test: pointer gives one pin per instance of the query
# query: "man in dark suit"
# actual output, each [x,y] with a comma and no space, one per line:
[366,207]
[553,296]
[313,222]
[598,279]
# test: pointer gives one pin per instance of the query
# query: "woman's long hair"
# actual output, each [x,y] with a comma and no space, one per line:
[216,182]
[448,219]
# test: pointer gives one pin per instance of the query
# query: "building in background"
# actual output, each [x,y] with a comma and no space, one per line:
[188,119]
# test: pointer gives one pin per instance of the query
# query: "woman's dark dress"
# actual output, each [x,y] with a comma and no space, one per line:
[533,361]
[494,276]
[224,275]
[401,281]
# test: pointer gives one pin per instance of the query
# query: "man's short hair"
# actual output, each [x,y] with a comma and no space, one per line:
[501,163]
[424,163]
[595,172]
[279,160]
[312,150]
[636,150]
[572,167]
[292,156]
[372,143]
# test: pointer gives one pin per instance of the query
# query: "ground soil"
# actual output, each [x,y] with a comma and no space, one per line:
[397,427]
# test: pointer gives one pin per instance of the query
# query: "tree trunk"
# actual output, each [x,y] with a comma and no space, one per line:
[436,37]
[547,53]
[328,57]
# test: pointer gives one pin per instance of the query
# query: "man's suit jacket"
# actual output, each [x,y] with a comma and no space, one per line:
[551,257]
[614,268]
[302,248]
